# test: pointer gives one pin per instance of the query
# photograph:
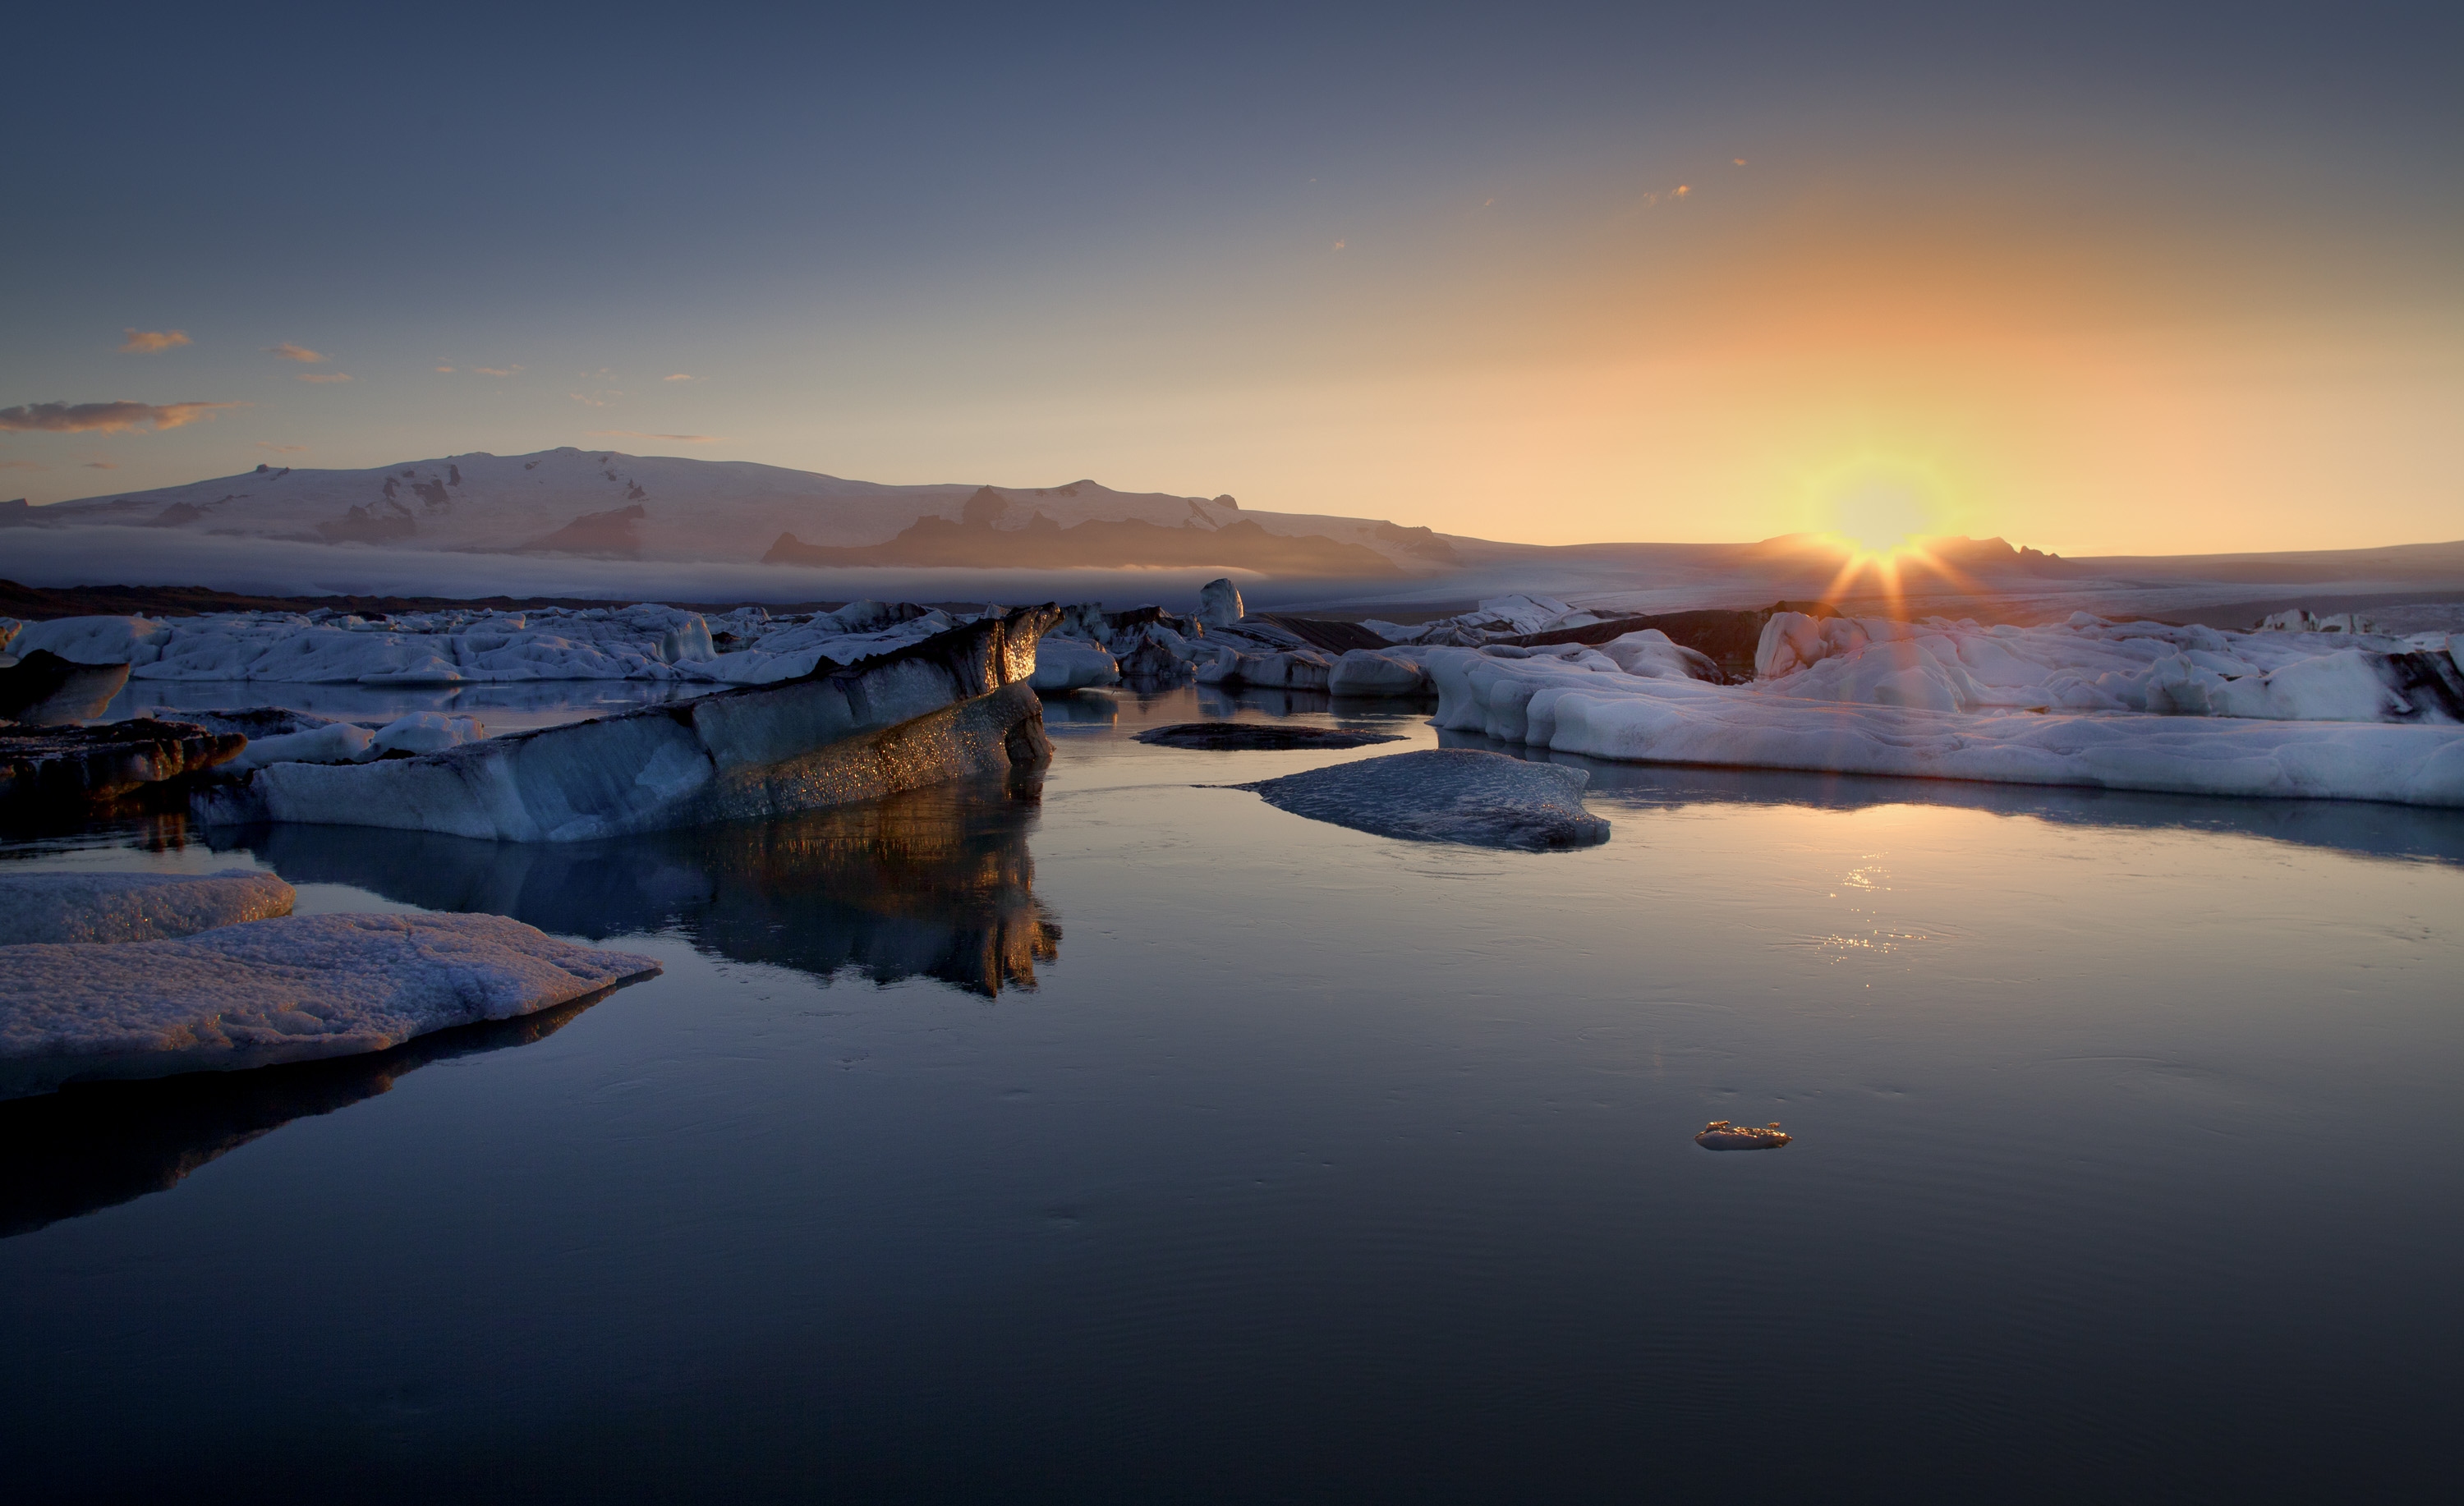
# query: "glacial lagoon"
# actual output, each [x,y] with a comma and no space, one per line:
[1118,1136]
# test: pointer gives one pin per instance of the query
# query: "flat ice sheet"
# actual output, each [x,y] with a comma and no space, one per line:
[74,907]
[1446,794]
[274,991]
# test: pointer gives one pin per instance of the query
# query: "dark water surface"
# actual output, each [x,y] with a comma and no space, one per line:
[1130,1140]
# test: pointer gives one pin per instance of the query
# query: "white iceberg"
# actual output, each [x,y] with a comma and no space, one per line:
[2089,665]
[1062,665]
[72,907]
[268,992]
[1580,702]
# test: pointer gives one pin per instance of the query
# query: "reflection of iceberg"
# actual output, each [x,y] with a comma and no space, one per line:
[93,1145]
[934,883]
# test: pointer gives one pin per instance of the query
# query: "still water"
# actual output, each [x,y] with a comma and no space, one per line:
[1127,1139]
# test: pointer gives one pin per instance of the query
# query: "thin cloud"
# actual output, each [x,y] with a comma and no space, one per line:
[495,371]
[678,377]
[445,368]
[680,439]
[324,376]
[289,352]
[145,342]
[104,418]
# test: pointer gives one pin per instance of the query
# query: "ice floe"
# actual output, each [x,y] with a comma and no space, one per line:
[266,991]
[1446,794]
[74,907]
[53,771]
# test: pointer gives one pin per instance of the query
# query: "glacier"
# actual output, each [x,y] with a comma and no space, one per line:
[262,992]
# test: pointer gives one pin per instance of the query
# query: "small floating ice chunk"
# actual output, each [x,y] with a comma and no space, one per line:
[133,906]
[1244,736]
[293,989]
[1446,794]
[1720,1135]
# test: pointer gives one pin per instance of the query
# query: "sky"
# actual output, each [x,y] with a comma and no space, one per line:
[2097,278]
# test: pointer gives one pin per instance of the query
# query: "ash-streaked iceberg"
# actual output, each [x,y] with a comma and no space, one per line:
[293,989]
[78,907]
[958,703]
[1446,794]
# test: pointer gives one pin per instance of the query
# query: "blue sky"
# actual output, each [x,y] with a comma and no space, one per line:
[2115,280]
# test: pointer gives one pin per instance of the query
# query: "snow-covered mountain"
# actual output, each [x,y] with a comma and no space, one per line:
[606,504]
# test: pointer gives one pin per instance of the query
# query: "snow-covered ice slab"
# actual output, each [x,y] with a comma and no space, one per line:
[1446,794]
[1570,704]
[133,906]
[274,991]
[956,703]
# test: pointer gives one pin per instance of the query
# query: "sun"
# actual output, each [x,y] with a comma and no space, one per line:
[1877,511]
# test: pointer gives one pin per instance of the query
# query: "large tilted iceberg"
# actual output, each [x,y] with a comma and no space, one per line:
[958,703]
[268,992]
[2119,706]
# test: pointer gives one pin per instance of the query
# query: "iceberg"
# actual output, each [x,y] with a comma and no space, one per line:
[1577,701]
[293,989]
[958,702]
[72,906]
[1446,794]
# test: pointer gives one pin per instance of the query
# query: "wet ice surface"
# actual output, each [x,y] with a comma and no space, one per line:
[1315,1164]
[1458,794]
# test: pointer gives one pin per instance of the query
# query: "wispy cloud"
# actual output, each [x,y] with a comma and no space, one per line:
[677,376]
[594,400]
[495,371]
[104,418]
[282,449]
[445,368]
[102,464]
[680,439]
[143,343]
[289,352]
[324,376]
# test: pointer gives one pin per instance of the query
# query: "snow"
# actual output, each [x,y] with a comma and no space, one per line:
[1446,794]
[72,907]
[265,992]
[1579,702]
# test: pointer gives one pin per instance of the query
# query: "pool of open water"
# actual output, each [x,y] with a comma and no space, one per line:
[1125,1138]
